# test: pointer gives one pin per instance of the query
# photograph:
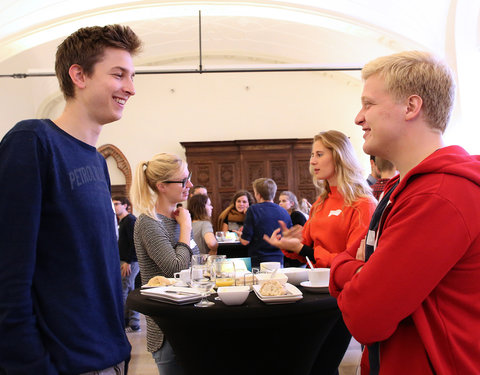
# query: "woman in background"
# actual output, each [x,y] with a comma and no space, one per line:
[162,236]
[343,209]
[200,209]
[289,201]
[337,219]
[232,218]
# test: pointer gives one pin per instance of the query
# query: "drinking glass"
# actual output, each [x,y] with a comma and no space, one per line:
[220,236]
[202,277]
[225,272]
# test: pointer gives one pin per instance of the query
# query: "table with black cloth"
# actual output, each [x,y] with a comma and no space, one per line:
[305,337]
[232,249]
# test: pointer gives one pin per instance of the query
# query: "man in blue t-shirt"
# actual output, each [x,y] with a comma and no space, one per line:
[262,218]
[61,309]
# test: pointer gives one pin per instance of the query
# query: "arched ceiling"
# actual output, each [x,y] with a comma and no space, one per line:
[340,32]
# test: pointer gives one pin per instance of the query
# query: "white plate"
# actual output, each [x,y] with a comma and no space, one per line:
[294,294]
[314,288]
[173,294]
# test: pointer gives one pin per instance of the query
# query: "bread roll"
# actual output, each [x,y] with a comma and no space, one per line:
[159,281]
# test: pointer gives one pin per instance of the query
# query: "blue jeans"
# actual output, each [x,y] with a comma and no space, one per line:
[132,318]
[166,361]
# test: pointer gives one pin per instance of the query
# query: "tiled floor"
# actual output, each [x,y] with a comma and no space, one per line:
[142,362]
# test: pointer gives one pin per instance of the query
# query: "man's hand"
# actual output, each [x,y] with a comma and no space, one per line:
[361,251]
[125,269]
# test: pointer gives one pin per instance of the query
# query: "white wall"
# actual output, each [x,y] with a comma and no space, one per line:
[168,109]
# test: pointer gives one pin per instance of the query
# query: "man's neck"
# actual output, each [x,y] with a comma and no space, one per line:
[123,215]
[416,148]
[75,121]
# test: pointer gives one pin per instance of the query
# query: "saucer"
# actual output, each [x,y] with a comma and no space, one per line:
[314,288]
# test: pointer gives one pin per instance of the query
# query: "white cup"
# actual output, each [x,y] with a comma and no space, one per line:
[269,266]
[184,275]
[319,276]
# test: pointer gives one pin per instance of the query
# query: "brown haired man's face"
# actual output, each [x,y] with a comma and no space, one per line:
[109,87]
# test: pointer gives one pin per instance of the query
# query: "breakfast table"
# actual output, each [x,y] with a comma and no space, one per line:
[250,338]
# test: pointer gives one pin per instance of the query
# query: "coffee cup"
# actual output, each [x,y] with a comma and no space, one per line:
[319,276]
[184,275]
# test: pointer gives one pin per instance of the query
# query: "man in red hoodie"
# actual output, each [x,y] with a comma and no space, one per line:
[410,290]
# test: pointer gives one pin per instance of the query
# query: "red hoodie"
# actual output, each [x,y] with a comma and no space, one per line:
[419,293]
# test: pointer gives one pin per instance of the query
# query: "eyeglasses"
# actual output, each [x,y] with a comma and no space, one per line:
[183,182]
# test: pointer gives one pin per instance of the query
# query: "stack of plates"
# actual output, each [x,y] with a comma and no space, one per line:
[173,294]
[293,295]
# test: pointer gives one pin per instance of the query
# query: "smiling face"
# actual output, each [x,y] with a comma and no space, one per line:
[107,89]
[381,119]
[285,202]
[322,164]
[174,191]
[241,204]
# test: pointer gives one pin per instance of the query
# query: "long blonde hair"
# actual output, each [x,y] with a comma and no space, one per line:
[350,182]
[144,192]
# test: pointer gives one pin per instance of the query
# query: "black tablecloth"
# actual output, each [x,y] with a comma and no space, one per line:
[232,249]
[252,338]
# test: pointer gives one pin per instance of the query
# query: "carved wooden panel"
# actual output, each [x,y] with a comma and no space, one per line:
[226,175]
[302,167]
[279,172]
[254,170]
[202,174]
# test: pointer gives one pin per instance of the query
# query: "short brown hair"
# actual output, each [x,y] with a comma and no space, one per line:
[418,73]
[86,47]
[383,165]
[265,187]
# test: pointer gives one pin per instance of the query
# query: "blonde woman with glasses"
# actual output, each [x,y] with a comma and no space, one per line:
[162,235]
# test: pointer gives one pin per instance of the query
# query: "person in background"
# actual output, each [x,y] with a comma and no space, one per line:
[386,171]
[232,218]
[343,210]
[200,209]
[305,206]
[61,307]
[263,218]
[162,235]
[374,175]
[289,201]
[128,258]
[337,219]
[198,189]
[412,293]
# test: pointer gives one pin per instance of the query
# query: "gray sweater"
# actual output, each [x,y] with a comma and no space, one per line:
[159,253]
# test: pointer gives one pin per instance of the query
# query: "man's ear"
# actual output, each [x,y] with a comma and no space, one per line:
[414,105]
[77,75]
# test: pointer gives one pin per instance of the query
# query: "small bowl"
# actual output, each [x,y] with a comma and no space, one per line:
[295,275]
[280,277]
[233,295]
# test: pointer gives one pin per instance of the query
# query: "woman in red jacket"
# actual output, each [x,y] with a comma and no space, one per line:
[342,211]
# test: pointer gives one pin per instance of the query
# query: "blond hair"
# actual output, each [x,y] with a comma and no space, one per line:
[144,191]
[418,73]
[350,182]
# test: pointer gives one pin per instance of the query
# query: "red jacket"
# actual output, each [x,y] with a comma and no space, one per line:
[419,293]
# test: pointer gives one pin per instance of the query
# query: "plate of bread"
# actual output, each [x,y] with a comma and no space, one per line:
[273,292]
